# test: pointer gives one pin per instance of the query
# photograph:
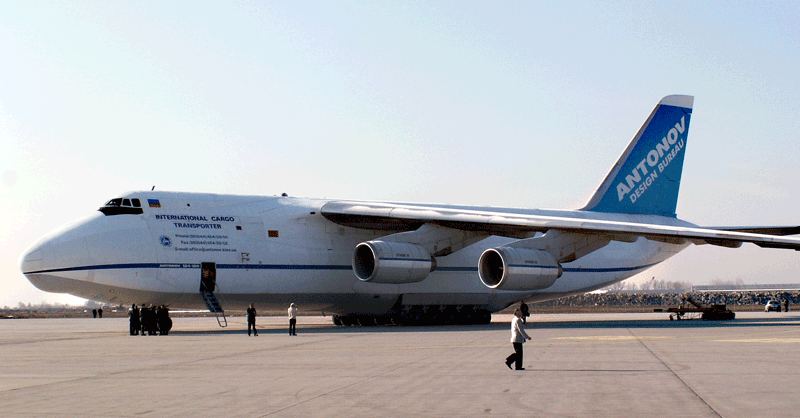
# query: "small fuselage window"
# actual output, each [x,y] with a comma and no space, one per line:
[122,206]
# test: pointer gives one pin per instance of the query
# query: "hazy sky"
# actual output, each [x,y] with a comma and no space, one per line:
[494,103]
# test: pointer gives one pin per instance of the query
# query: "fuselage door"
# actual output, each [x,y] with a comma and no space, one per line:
[208,277]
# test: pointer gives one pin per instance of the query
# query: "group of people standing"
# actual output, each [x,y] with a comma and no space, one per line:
[149,320]
[251,320]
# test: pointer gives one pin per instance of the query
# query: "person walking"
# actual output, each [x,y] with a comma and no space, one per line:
[786,305]
[251,320]
[292,319]
[518,336]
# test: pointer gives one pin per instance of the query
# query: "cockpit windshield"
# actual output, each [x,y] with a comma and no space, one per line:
[122,206]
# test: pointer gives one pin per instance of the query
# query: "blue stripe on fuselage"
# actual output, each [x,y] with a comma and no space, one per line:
[296,267]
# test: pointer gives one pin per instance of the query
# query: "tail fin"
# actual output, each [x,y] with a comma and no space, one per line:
[646,178]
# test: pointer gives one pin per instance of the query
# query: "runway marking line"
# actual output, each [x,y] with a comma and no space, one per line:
[791,340]
[611,338]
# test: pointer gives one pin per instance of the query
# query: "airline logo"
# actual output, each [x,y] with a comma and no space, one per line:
[646,172]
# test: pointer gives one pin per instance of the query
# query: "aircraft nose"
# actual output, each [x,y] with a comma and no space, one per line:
[33,259]
[35,266]
[46,265]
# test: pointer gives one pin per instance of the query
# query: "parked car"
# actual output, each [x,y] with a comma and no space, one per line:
[772,305]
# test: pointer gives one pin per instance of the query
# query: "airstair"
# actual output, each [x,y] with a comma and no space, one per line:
[214,306]
[208,283]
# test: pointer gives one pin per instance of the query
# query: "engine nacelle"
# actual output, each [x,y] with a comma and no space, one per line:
[510,268]
[392,262]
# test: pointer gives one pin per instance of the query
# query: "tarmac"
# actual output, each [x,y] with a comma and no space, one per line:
[608,365]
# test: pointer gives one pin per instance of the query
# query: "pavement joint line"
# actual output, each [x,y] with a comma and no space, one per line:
[8,343]
[680,379]
[597,370]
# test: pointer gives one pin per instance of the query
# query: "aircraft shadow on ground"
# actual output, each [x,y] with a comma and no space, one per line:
[611,324]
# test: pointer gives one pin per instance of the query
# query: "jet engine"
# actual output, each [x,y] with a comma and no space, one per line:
[512,268]
[392,262]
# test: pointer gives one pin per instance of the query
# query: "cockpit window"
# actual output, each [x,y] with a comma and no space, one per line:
[120,206]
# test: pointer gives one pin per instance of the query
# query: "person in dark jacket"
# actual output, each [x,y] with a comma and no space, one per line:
[152,321]
[134,320]
[143,319]
[100,313]
[144,315]
[163,319]
[251,320]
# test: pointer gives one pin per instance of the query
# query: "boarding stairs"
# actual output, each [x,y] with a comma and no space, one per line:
[214,306]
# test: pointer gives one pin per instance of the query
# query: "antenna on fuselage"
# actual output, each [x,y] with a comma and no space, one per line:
[153,188]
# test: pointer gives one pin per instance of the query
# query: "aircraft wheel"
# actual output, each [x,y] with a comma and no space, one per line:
[450,316]
[466,316]
[382,320]
[346,320]
[484,317]
[433,316]
[365,320]
[413,317]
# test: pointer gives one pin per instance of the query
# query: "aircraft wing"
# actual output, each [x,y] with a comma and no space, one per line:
[767,230]
[393,216]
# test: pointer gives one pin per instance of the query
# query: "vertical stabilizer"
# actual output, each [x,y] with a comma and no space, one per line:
[646,178]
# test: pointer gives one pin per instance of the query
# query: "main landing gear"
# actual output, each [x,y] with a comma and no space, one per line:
[419,315]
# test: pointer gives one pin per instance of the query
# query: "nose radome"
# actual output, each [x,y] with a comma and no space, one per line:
[35,266]
[33,259]
[56,259]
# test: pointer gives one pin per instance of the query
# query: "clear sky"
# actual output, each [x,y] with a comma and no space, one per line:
[523,104]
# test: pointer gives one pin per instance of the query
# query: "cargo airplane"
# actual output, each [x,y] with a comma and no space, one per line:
[386,262]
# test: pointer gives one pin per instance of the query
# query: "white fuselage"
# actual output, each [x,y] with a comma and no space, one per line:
[275,250]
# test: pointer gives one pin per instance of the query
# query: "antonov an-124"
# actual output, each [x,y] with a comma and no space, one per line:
[386,262]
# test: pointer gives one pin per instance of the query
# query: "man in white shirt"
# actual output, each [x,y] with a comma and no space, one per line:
[518,336]
[292,319]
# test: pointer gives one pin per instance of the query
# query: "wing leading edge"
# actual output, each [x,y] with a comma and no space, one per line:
[393,216]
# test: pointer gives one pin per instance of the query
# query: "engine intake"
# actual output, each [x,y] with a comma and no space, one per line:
[510,268]
[391,262]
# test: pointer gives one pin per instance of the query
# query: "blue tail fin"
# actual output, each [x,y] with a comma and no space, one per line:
[647,177]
